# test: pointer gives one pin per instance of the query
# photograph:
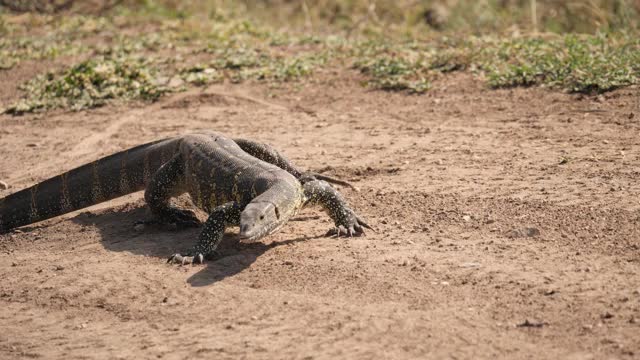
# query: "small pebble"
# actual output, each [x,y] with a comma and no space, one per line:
[59,268]
[470,265]
[524,232]
[3,185]
[139,227]
[607,315]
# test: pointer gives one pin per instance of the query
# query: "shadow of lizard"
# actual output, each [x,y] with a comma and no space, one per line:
[117,233]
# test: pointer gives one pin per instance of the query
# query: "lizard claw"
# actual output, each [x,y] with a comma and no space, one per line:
[177,258]
[349,225]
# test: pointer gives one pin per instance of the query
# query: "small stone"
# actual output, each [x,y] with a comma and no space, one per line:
[531,324]
[165,299]
[288,262]
[470,265]
[524,232]
[466,218]
[175,82]
[161,80]
[607,315]
[59,268]
[139,227]
[444,283]
[3,185]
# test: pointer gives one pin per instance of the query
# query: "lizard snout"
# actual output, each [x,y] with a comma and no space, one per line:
[245,232]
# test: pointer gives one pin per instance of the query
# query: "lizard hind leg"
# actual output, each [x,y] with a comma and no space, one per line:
[211,234]
[166,183]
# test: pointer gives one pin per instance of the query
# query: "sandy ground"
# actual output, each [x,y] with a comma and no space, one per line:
[507,227]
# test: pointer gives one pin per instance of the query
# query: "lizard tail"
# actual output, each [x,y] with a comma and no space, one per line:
[102,180]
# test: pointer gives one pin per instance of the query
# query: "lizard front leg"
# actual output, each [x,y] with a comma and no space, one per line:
[321,193]
[211,234]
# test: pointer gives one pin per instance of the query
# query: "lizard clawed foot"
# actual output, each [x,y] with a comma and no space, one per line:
[349,225]
[177,258]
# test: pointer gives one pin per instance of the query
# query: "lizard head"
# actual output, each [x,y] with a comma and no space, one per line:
[259,219]
[267,212]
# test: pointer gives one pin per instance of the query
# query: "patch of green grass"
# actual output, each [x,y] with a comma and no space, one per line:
[393,73]
[200,75]
[289,68]
[585,64]
[262,60]
[13,51]
[91,84]
[57,36]
[408,65]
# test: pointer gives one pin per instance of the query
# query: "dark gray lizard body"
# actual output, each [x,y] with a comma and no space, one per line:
[237,182]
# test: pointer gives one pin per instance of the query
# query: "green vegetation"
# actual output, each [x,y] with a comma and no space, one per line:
[576,64]
[587,64]
[143,49]
[90,84]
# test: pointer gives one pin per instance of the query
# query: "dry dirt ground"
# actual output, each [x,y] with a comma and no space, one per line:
[507,227]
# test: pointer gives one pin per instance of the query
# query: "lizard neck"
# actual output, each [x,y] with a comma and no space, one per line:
[287,197]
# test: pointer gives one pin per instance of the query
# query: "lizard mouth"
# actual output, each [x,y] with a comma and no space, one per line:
[251,235]
[247,238]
